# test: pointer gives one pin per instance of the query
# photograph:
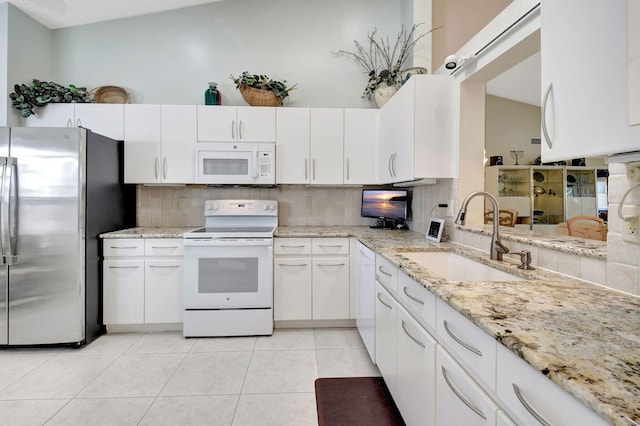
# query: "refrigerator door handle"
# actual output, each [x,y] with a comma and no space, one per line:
[8,210]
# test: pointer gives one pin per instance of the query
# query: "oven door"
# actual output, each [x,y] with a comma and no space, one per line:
[228,273]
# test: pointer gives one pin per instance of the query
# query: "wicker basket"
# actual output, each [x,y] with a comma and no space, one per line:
[110,95]
[259,97]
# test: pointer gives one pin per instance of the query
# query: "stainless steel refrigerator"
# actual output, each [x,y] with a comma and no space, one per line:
[59,189]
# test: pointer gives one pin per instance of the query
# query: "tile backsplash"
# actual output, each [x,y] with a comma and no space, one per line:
[298,205]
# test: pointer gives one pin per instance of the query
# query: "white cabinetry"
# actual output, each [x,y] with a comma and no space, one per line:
[360,145]
[417,131]
[142,281]
[311,278]
[292,145]
[236,124]
[327,140]
[105,119]
[386,338]
[584,108]
[460,400]
[366,297]
[533,398]
[416,357]
[160,144]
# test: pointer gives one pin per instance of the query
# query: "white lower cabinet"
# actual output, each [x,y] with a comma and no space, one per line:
[311,279]
[534,399]
[460,400]
[142,281]
[386,338]
[416,358]
[366,297]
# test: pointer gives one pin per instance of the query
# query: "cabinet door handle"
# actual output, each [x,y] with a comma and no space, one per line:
[165,168]
[347,169]
[460,396]
[418,342]
[164,266]
[313,169]
[293,264]
[393,164]
[330,264]
[526,405]
[306,168]
[123,247]
[78,123]
[545,131]
[389,165]
[383,271]
[415,299]
[69,123]
[330,246]
[233,129]
[124,267]
[164,247]
[300,246]
[240,129]
[460,341]
[383,302]
[157,165]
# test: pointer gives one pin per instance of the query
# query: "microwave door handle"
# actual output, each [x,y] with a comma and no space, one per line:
[256,165]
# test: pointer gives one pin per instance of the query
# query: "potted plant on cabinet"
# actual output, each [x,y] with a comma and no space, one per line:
[260,90]
[383,61]
[40,93]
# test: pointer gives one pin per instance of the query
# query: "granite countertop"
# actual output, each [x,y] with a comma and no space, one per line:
[582,336]
[149,232]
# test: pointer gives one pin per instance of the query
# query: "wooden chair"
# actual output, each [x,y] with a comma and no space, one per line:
[507,217]
[591,227]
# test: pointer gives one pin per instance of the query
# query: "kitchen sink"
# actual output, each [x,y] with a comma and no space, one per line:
[453,267]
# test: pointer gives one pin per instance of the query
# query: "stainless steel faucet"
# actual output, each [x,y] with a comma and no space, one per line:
[497,249]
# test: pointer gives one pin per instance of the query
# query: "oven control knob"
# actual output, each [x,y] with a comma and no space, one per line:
[214,207]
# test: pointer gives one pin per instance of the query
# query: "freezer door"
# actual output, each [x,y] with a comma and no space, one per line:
[4,313]
[46,277]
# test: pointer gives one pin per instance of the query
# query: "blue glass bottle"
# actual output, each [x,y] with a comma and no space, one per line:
[211,95]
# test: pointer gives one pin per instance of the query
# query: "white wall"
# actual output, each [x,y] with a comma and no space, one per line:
[169,57]
[29,56]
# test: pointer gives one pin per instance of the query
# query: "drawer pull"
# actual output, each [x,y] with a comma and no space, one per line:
[164,266]
[330,264]
[460,397]
[415,299]
[123,267]
[526,405]
[123,247]
[330,246]
[418,342]
[300,246]
[460,341]
[383,271]
[293,264]
[383,302]
[164,247]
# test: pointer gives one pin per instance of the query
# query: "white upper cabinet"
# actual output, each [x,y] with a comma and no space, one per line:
[292,145]
[236,124]
[417,131]
[360,145]
[327,139]
[633,72]
[584,81]
[142,152]
[309,146]
[160,144]
[105,119]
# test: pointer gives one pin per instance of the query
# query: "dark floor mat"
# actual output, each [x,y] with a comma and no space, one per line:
[353,401]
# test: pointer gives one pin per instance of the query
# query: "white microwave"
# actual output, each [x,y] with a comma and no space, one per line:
[235,163]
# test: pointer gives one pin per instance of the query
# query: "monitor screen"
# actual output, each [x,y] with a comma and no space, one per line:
[385,203]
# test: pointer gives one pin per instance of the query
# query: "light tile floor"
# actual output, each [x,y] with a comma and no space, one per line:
[164,379]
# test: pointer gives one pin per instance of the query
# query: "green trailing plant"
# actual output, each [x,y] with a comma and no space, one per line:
[381,60]
[263,82]
[39,93]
